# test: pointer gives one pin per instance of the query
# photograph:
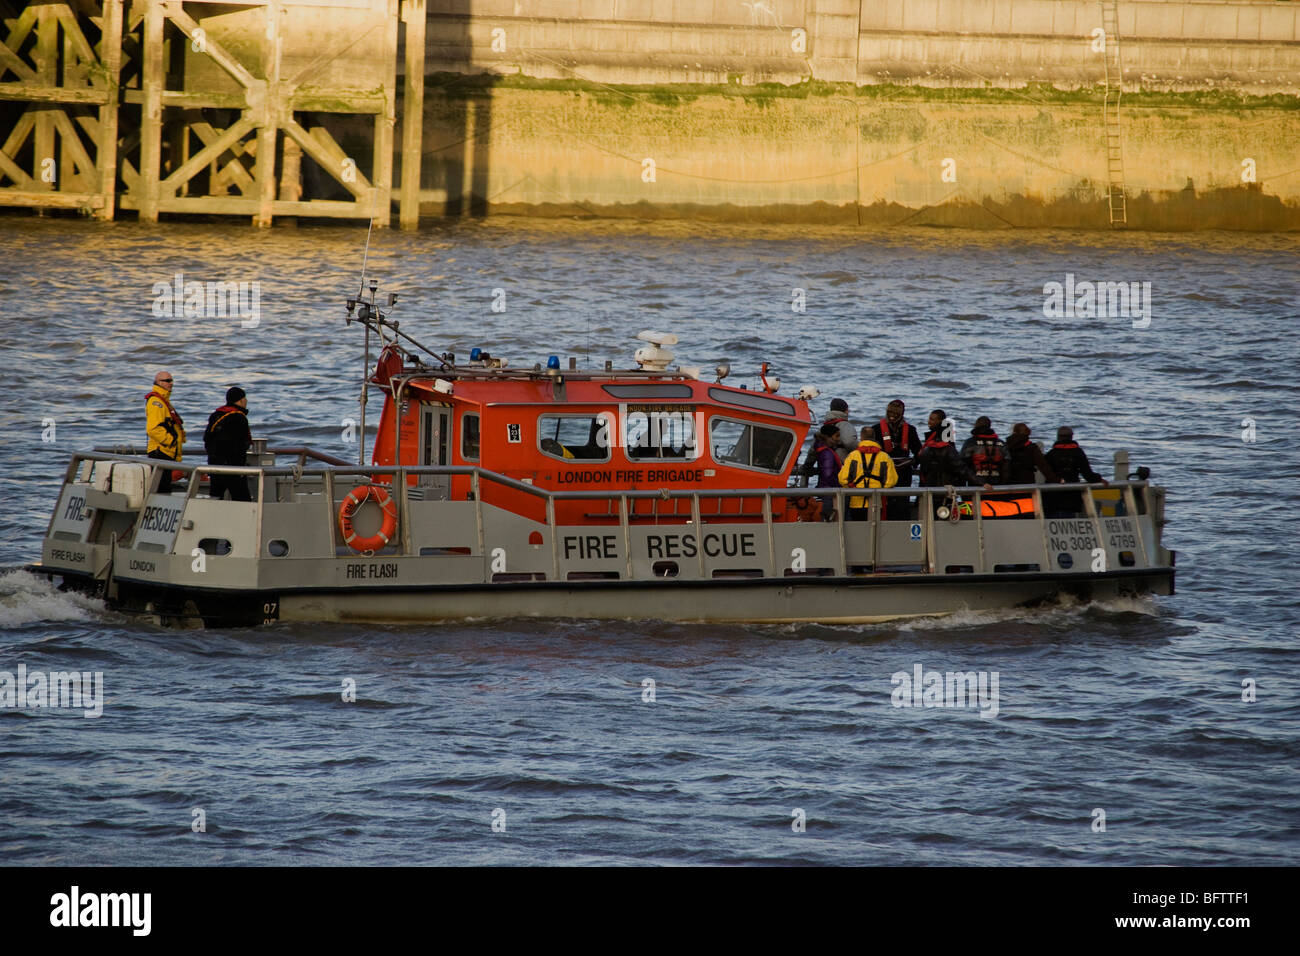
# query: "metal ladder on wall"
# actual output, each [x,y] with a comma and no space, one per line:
[1115,200]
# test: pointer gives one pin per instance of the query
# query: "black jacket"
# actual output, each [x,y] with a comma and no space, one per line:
[939,465]
[1070,463]
[227,437]
[1024,460]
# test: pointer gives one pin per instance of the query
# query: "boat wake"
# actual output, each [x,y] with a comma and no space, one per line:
[1063,610]
[1064,614]
[26,598]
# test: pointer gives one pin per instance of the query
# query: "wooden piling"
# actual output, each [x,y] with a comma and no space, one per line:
[384,123]
[47,66]
[414,15]
[290,177]
[106,149]
[151,81]
[270,92]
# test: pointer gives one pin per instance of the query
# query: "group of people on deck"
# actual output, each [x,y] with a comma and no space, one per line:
[887,453]
[227,438]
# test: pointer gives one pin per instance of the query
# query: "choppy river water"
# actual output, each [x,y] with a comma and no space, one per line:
[1133,708]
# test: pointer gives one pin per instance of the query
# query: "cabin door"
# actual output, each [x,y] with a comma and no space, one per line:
[435,449]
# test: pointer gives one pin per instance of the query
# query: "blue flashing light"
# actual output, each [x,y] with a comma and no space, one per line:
[474,353]
[553,362]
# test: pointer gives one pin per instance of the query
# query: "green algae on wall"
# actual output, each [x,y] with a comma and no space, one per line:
[879,154]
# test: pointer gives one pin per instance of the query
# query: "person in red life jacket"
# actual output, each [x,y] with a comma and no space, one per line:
[938,462]
[1071,465]
[1025,459]
[164,427]
[839,417]
[898,438]
[900,442]
[227,440]
[985,455]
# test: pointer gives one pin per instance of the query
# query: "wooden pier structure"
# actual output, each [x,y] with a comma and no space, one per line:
[250,108]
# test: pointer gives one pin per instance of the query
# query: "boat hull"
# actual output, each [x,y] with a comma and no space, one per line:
[860,599]
[736,555]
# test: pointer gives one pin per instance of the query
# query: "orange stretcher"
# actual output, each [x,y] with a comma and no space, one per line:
[998,507]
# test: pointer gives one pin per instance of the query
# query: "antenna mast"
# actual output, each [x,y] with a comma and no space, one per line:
[365,362]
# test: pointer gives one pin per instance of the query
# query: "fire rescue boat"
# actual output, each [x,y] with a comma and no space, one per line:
[554,491]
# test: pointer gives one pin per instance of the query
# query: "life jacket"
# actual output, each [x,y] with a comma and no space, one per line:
[987,455]
[229,410]
[1065,445]
[931,442]
[887,441]
[174,422]
[870,471]
[999,508]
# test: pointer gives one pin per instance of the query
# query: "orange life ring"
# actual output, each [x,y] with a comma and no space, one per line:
[353,502]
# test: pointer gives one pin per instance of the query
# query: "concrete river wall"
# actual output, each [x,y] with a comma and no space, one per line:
[983,113]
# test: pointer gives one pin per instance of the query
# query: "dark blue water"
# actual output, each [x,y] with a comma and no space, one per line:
[1132,707]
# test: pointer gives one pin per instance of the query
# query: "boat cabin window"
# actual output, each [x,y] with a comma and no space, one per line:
[748,445]
[573,436]
[762,403]
[469,438]
[643,392]
[660,431]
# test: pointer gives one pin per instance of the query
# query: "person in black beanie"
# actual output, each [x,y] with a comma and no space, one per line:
[839,417]
[1072,465]
[227,440]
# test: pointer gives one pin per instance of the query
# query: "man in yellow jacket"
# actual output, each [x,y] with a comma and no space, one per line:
[164,427]
[867,466]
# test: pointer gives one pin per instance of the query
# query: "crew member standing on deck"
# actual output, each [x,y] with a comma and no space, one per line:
[900,442]
[826,460]
[227,440]
[938,463]
[866,467]
[985,455]
[839,417]
[163,425]
[1025,459]
[1072,466]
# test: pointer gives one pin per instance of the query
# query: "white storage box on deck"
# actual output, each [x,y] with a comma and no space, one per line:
[131,480]
[100,476]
